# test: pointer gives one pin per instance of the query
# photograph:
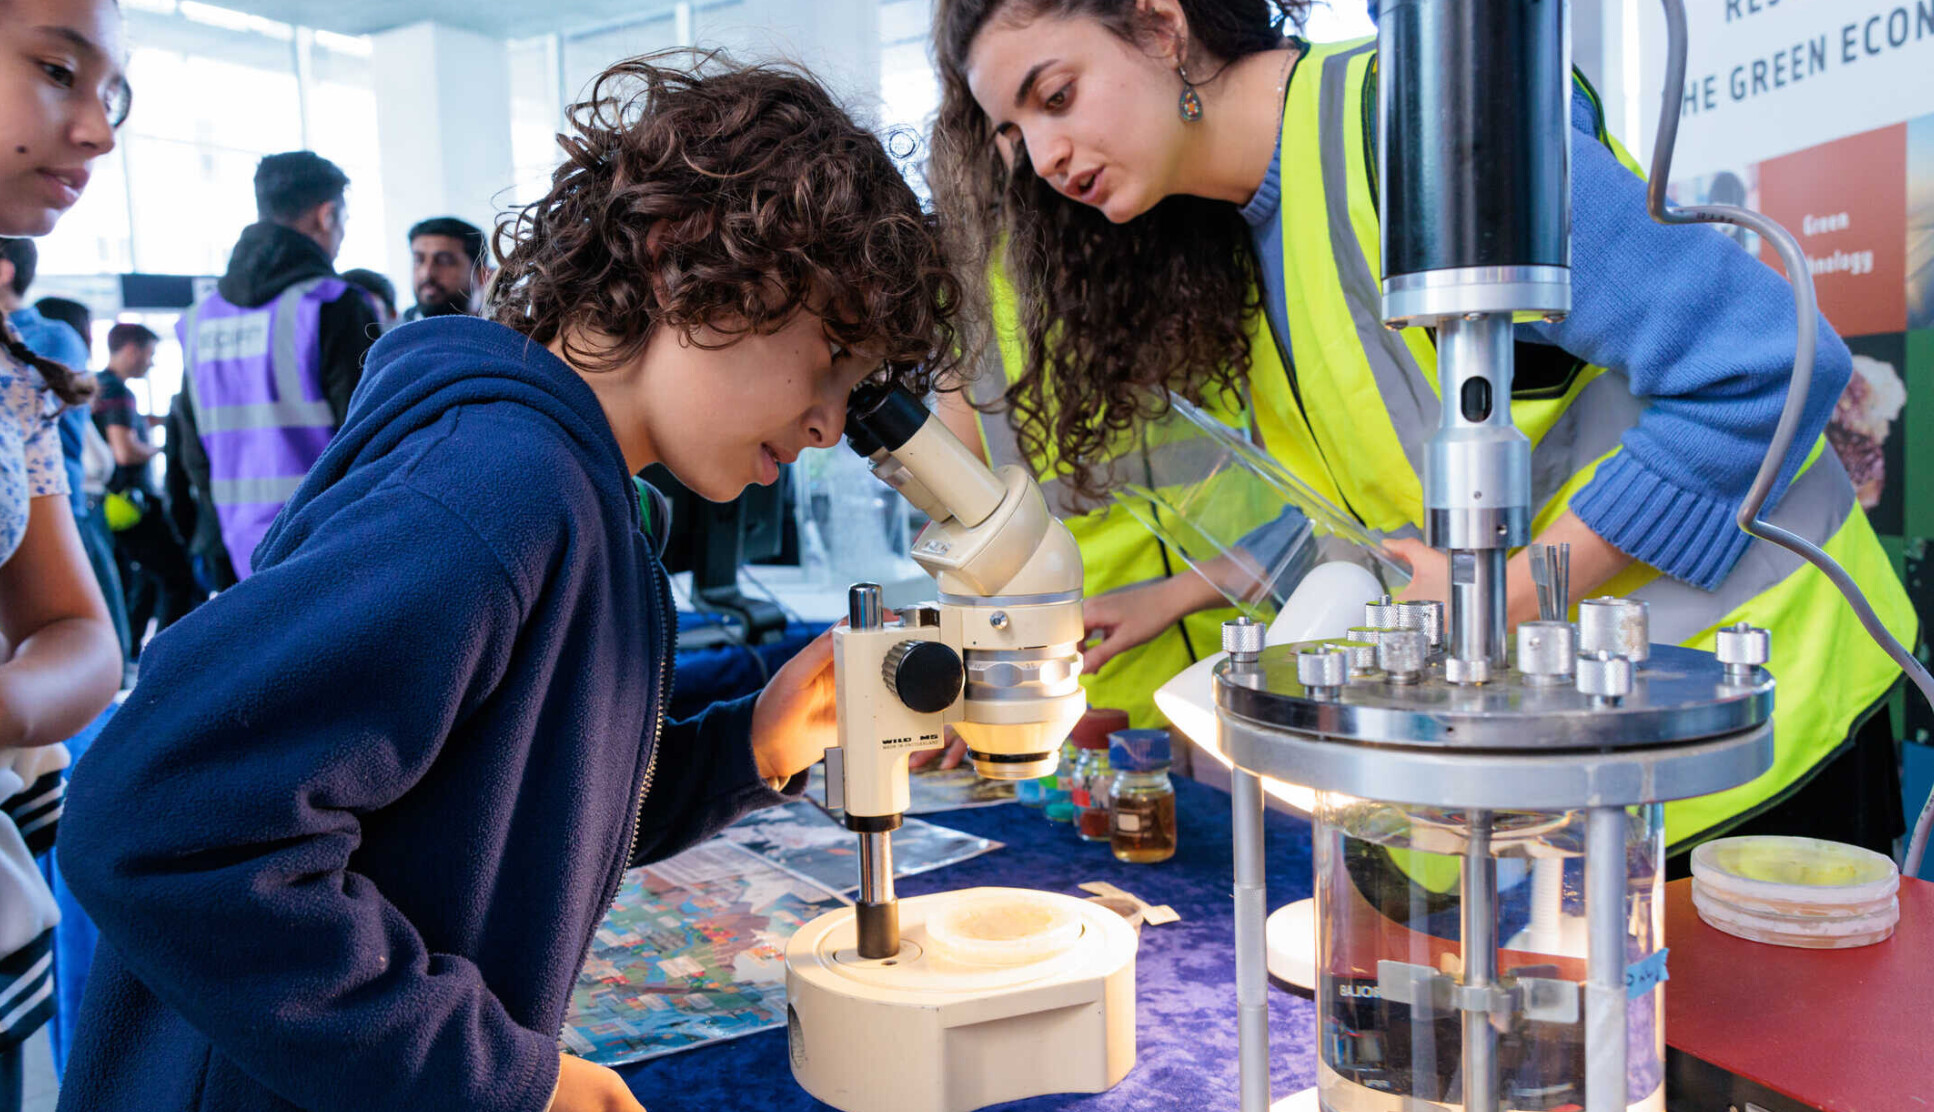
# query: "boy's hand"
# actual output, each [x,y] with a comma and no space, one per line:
[585,1087]
[793,722]
[950,757]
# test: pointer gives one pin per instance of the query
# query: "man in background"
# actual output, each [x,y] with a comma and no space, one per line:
[448,267]
[153,563]
[272,356]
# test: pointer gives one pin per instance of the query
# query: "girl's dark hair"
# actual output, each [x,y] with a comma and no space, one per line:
[710,194]
[1110,316]
[72,387]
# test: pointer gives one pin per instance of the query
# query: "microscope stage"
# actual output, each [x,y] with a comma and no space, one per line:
[926,1031]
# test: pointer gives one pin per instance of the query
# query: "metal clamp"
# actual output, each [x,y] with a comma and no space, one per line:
[1546,653]
[1742,649]
[1242,639]
[1545,999]
[1403,654]
[1323,669]
[1604,677]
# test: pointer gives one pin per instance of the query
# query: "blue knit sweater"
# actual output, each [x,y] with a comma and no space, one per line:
[350,836]
[1703,331]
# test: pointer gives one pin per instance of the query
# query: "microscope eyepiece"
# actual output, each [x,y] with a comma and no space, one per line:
[880,416]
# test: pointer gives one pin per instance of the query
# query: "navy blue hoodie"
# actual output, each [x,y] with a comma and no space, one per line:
[349,838]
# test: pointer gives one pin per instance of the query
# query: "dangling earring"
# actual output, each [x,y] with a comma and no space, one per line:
[1190,104]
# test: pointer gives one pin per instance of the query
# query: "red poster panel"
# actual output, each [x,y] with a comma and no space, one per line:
[1847,202]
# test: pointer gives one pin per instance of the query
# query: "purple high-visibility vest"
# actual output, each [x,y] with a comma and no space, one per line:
[254,377]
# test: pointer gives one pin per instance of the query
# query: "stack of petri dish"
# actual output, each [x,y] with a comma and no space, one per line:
[1801,892]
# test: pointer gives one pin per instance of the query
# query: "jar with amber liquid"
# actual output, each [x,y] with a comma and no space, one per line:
[1142,797]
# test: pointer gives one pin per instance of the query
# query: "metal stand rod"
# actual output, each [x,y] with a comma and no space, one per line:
[877,912]
[1480,940]
[1252,963]
[1477,608]
[1605,1001]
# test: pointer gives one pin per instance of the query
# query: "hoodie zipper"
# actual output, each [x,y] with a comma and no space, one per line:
[667,645]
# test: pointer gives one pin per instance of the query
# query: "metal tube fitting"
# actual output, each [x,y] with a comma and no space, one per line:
[1620,626]
[1322,669]
[1361,652]
[1403,655]
[1742,649]
[1383,613]
[1547,653]
[1242,638]
[1425,615]
[1604,677]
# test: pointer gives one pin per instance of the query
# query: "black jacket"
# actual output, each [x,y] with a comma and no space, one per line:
[267,260]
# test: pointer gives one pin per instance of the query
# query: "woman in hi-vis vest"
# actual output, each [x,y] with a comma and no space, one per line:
[1184,197]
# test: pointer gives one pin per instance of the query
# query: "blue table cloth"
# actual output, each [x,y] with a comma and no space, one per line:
[1185,996]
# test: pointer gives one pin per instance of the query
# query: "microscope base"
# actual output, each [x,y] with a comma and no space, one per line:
[923,1033]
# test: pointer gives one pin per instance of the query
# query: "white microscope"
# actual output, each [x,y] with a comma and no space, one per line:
[956,1000]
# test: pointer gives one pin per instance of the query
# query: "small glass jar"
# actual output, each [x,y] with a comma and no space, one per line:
[1032,793]
[1142,797]
[1060,790]
[1094,726]
[1092,776]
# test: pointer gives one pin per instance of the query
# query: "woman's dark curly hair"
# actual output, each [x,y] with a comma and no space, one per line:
[1111,316]
[732,197]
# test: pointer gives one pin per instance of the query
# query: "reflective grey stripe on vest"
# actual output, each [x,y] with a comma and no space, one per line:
[289,410]
[234,492]
[1815,506]
[1407,394]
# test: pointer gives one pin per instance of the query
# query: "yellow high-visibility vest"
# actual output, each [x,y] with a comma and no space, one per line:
[1367,403]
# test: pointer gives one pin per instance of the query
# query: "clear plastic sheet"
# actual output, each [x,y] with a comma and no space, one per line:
[1237,515]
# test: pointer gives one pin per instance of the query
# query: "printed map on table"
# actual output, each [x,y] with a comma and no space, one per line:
[693,952]
[801,837]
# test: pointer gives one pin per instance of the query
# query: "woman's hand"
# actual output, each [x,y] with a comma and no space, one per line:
[795,718]
[1594,561]
[1131,616]
[586,1087]
[1429,570]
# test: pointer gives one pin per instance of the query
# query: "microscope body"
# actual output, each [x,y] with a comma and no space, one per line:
[885,1021]
[997,658]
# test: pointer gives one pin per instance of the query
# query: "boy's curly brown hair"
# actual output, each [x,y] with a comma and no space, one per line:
[714,194]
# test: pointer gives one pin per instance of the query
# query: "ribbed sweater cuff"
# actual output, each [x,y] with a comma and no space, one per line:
[1646,516]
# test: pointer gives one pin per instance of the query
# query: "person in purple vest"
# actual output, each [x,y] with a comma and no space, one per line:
[349,838]
[272,356]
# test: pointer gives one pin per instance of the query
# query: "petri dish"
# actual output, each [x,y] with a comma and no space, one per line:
[1010,927]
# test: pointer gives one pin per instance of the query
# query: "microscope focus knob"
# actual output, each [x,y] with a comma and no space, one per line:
[925,675]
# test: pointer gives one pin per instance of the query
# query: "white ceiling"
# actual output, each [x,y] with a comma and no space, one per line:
[499,18]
